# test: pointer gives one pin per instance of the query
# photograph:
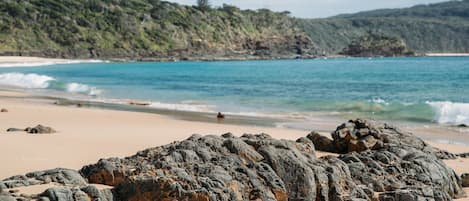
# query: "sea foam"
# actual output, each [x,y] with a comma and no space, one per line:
[35,81]
[82,89]
[28,81]
[450,113]
[48,63]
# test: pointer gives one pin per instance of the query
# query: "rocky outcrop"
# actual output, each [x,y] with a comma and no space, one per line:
[372,45]
[392,166]
[39,129]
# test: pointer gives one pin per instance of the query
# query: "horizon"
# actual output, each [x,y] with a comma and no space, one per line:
[318,8]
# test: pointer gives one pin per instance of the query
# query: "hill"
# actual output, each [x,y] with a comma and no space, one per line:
[159,30]
[140,29]
[442,27]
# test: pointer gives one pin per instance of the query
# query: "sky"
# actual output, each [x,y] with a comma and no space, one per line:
[316,8]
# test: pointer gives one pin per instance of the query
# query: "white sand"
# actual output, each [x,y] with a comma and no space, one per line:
[20,59]
[86,135]
[447,54]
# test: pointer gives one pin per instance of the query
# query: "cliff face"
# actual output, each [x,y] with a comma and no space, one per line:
[378,162]
[145,29]
[377,45]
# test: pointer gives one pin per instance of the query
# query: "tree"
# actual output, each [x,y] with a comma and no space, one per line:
[203,4]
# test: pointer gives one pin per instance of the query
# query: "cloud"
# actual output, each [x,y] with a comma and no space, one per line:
[317,8]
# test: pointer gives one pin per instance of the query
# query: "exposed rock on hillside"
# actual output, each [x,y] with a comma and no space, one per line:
[394,166]
[373,45]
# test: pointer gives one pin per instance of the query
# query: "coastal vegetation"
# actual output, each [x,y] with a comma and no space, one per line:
[154,29]
[441,27]
[144,29]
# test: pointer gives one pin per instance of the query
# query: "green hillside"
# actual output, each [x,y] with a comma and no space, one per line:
[442,27]
[144,29]
[153,29]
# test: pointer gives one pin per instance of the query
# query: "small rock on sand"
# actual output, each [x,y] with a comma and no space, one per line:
[3,110]
[40,129]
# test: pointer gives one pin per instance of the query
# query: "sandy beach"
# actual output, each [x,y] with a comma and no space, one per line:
[22,61]
[85,135]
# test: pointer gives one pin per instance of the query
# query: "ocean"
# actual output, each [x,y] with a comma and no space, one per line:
[432,90]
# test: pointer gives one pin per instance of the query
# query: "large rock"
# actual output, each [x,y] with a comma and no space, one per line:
[228,168]
[394,165]
[59,175]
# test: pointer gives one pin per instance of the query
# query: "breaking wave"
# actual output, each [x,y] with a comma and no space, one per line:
[47,63]
[36,81]
[450,113]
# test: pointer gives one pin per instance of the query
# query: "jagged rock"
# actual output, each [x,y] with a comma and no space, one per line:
[361,135]
[228,168]
[59,175]
[465,180]
[394,166]
[445,155]
[39,129]
[108,172]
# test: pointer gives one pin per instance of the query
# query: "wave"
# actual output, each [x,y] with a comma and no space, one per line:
[450,113]
[36,81]
[82,89]
[29,81]
[183,107]
[48,63]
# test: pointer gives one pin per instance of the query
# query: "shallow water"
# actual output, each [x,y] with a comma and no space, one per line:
[419,90]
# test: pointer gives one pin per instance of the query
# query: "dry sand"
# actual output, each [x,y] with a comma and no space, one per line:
[20,59]
[85,135]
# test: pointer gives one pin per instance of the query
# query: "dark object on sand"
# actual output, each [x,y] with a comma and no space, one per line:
[3,110]
[462,126]
[139,103]
[220,116]
[14,130]
[40,129]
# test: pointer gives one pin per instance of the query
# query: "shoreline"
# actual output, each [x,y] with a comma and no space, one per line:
[20,61]
[86,134]
[447,54]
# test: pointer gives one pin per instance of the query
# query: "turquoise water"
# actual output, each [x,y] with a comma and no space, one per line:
[422,89]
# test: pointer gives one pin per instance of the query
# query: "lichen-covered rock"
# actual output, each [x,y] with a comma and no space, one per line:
[59,175]
[229,168]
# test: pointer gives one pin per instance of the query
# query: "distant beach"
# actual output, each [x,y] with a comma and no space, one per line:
[447,54]
[22,61]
